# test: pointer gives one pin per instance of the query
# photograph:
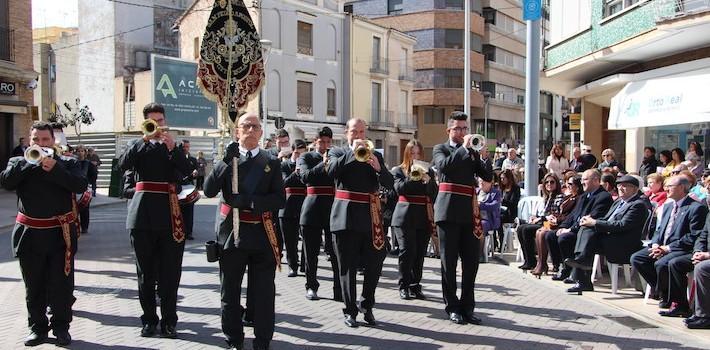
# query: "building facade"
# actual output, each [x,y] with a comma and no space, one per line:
[17,75]
[381,64]
[634,69]
[438,57]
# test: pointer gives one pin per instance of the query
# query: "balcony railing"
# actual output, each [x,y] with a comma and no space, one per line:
[379,65]
[7,44]
[305,50]
[669,9]
[406,73]
[381,118]
[406,121]
[303,109]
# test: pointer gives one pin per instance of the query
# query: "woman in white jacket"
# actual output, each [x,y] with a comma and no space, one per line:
[557,163]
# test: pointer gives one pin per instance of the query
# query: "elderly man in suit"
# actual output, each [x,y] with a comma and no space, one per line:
[681,224]
[617,234]
[701,259]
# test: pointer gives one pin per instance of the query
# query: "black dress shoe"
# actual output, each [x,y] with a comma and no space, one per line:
[569,281]
[35,338]
[699,323]
[63,337]
[579,264]
[235,346]
[404,294]
[471,318]
[562,275]
[168,331]
[676,311]
[663,304]
[292,273]
[455,317]
[311,294]
[148,330]
[579,288]
[349,321]
[692,318]
[369,318]
[417,294]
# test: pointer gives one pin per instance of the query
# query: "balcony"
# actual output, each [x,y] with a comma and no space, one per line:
[379,66]
[406,73]
[380,118]
[304,109]
[7,44]
[406,122]
[672,9]
[305,50]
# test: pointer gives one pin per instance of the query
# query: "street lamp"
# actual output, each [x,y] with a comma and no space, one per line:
[265,49]
[486,98]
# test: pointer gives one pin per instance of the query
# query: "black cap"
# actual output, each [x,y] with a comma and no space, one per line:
[628,179]
[298,144]
[325,132]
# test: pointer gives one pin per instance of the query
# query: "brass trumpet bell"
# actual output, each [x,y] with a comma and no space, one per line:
[150,127]
[362,154]
[35,154]
[418,170]
[477,142]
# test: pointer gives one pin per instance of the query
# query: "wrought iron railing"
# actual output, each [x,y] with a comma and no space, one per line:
[379,65]
[7,44]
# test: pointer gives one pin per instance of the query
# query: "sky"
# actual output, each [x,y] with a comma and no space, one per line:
[47,13]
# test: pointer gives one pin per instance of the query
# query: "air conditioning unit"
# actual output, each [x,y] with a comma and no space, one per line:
[141,60]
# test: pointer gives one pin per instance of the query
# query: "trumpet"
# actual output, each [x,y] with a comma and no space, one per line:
[35,154]
[150,128]
[418,170]
[363,153]
[476,142]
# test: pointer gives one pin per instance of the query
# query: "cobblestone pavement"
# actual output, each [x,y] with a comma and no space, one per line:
[518,312]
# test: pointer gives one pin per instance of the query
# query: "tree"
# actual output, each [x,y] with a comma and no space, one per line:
[77,116]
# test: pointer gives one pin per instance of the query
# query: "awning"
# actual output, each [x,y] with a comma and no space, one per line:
[671,100]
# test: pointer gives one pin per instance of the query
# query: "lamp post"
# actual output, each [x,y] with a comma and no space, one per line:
[265,50]
[486,99]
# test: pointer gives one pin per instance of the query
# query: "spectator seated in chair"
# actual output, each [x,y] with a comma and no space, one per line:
[681,224]
[489,201]
[700,319]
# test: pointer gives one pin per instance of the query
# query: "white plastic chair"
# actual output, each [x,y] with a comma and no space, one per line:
[527,206]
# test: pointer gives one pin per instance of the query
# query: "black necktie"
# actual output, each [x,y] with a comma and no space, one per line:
[458,145]
[248,155]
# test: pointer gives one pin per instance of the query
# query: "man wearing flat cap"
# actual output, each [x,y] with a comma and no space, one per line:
[617,235]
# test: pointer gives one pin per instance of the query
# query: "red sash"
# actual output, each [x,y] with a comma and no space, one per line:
[468,191]
[378,233]
[320,190]
[295,191]
[423,200]
[249,217]
[63,221]
[175,212]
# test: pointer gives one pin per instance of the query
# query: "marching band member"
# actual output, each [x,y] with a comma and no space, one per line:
[289,216]
[88,170]
[45,234]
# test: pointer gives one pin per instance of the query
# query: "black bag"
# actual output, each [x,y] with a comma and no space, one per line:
[212,249]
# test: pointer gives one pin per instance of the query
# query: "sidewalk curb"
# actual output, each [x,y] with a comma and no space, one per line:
[121,201]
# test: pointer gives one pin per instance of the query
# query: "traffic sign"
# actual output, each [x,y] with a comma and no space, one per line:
[532,10]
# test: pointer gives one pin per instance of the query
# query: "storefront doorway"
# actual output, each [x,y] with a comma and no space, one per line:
[6,135]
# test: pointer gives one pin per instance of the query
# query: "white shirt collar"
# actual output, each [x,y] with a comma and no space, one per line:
[453,144]
[243,151]
[154,141]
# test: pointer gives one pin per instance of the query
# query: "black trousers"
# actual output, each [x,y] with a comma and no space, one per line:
[526,236]
[412,248]
[655,272]
[354,248]
[561,247]
[188,216]
[290,230]
[678,269]
[457,241]
[158,259]
[42,267]
[311,246]
[588,243]
[84,218]
[262,267]
[200,181]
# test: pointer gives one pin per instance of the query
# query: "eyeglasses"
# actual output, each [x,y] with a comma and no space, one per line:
[550,182]
[460,129]
[250,126]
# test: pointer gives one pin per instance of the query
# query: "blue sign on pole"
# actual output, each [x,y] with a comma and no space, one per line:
[174,86]
[532,10]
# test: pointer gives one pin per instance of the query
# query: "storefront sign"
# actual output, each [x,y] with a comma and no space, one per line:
[663,101]
[571,122]
[8,88]
[174,86]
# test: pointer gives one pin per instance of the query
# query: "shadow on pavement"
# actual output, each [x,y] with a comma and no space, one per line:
[351,339]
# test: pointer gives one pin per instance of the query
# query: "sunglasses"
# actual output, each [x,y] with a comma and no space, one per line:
[550,182]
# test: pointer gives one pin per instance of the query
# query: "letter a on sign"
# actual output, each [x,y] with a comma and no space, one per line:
[166,87]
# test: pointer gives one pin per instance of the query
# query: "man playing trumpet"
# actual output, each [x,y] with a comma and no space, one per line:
[356,218]
[457,216]
[154,219]
[45,234]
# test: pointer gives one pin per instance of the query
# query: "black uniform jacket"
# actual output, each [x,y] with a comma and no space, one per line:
[316,209]
[410,214]
[595,204]
[623,230]
[455,165]
[355,176]
[688,224]
[41,194]
[265,194]
[152,162]
[292,209]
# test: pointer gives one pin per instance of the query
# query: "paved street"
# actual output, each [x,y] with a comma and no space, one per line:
[518,312]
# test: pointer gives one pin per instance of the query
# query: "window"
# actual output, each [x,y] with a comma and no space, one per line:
[196,47]
[394,6]
[304,92]
[305,38]
[612,7]
[489,15]
[454,4]
[376,59]
[453,38]
[376,102]
[348,8]
[510,26]
[453,78]
[331,102]
[509,59]
[392,155]
[506,93]
[434,116]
